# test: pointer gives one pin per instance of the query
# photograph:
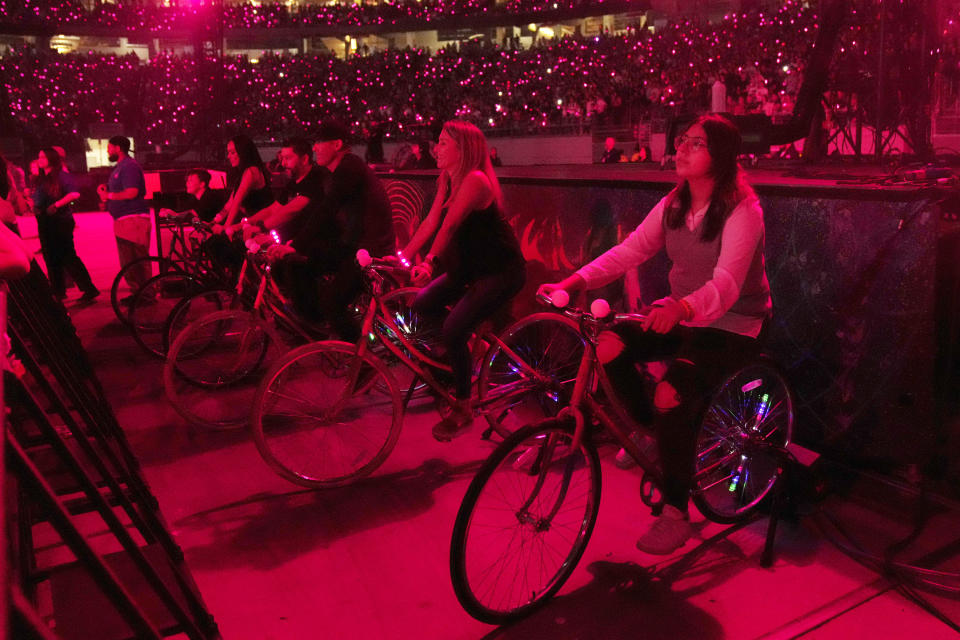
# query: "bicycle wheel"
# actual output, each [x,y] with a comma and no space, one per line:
[152,304]
[548,342]
[214,366]
[324,418]
[736,470]
[194,307]
[120,289]
[524,522]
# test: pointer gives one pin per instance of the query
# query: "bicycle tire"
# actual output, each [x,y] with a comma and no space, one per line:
[214,367]
[152,304]
[312,433]
[194,307]
[735,469]
[550,343]
[514,467]
[161,265]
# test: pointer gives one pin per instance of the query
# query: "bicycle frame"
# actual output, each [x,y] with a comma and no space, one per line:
[269,297]
[590,376]
[378,320]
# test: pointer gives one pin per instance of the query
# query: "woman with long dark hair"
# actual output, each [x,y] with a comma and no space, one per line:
[55,224]
[476,248]
[248,182]
[711,225]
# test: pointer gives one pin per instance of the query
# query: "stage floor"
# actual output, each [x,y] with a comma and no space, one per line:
[370,561]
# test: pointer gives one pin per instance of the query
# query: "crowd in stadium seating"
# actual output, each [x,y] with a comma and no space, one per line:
[175,99]
[148,16]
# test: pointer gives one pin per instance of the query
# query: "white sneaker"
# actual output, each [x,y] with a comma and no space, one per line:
[646,444]
[668,533]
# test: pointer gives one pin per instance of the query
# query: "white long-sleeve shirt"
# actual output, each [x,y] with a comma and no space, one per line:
[741,233]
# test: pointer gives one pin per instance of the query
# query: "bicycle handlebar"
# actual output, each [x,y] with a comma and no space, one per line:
[367,261]
[599,308]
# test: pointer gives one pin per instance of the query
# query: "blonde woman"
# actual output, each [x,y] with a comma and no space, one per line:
[474,247]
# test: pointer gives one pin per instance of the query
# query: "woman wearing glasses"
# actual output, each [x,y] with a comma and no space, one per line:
[711,225]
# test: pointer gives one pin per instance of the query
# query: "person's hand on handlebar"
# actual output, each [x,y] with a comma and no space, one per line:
[277,252]
[421,274]
[251,231]
[665,314]
[571,284]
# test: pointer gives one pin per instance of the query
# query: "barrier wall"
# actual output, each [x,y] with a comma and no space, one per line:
[852,271]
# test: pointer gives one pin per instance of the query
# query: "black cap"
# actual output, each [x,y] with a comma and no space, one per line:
[121,141]
[333,130]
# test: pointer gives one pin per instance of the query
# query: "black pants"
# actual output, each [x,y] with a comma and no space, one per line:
[60,254]
[324,293]
[699,360]
[225,254]
[472,303]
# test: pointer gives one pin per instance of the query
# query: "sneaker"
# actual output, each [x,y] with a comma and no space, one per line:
[646,444]
[89,295]
[668,533]
[455,424]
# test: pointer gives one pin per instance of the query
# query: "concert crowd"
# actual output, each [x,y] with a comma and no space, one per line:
[573,80]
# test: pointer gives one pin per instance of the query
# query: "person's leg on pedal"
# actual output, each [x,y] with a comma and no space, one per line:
[336,295]
[676,410]
[680,400]
[481,300]
[622,350]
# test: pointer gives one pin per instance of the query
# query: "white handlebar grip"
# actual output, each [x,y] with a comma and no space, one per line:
[600,308]
[560,298]
[363,258]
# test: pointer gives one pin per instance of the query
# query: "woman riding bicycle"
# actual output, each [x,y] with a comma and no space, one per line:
[476,248]
[711,224]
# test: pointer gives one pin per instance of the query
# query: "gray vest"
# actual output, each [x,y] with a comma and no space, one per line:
[693,263]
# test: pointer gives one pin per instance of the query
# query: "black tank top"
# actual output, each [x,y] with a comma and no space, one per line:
[256,199]
[484,244]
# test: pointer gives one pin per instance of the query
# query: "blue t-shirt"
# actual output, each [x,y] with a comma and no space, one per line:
[43,196]
[127,174]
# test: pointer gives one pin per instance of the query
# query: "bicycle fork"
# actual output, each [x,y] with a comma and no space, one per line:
[545,455]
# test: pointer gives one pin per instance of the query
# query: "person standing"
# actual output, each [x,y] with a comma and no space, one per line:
[55,224]
[124,198]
